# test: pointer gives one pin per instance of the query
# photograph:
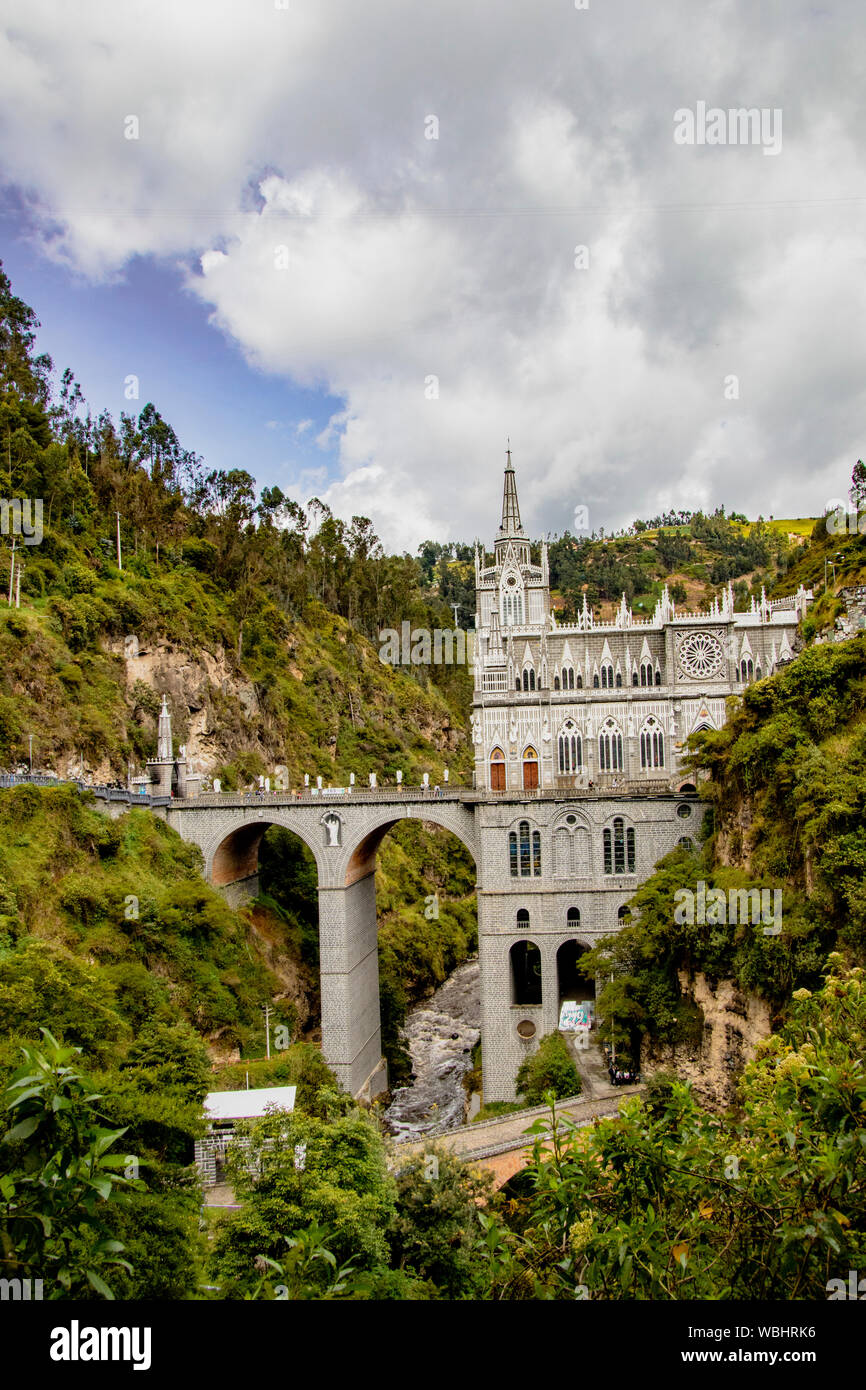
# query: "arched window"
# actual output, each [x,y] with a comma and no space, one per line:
[658,677]
[634,679]
[525,973]
[570,750]
[512,609]
[623,914]
[579,681]
[517,684]
[610,753]
[531,679]
[497,770]
[572,918]
[522,919]
[618,845]
[524,851]
[619,678]
[652,745]
[556,682]
[607,678]
[595,681]
[646,673]
[525,863]
[685,843]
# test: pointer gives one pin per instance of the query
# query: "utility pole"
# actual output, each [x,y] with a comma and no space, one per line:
[456,607]
[18,585]
[30,736]
[119,560]
[266,1010]
[12,573]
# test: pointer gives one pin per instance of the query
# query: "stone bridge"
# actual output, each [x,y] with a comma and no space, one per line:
[554,872]
[502,1146]
[343,834]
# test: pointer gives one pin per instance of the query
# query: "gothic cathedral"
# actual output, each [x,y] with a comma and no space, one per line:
[578,734]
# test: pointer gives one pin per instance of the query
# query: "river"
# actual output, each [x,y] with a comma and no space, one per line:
[440,1035]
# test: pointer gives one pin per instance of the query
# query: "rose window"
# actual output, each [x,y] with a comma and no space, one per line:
[701,655]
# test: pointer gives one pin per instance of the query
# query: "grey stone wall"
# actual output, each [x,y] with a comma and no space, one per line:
[658,826]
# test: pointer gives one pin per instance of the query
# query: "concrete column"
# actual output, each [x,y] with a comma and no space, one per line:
[351,1028]
[549,983]
[497,1063]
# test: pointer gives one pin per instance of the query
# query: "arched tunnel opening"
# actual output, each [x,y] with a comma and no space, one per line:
[425,922]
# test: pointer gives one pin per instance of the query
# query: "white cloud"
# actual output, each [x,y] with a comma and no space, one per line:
[282,159]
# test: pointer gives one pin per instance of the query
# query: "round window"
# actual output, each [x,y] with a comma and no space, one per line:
[684,811]
[571,820]
[526,1029]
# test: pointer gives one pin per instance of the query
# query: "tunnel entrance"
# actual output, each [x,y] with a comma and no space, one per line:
[575,985]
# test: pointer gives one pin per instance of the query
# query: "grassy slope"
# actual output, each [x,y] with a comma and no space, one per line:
[787,779]
[327,704]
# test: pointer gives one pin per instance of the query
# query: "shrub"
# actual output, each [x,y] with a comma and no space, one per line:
[548,1069]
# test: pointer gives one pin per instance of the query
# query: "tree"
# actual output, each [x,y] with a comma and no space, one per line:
[548,1069]
[858,484]
[435,1226]
[669,1201]
[292,1171]
[59,1175]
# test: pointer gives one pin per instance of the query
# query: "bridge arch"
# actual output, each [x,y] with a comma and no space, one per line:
[343,837]
[232,854]
[364,844]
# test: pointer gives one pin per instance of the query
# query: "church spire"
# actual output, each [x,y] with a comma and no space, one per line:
[510,510]
[163,737]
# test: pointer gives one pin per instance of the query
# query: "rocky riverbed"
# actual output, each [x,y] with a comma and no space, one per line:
[440,1035]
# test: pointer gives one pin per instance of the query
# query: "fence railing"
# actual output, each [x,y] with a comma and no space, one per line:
[329,796]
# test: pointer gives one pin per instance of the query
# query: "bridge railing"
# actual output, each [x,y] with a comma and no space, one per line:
[333,796]
[105,793]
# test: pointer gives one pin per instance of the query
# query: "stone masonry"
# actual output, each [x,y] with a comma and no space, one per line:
[578,791]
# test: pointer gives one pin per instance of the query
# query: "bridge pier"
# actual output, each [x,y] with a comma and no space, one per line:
[349,966]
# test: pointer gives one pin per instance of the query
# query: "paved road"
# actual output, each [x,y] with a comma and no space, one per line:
[472,1142]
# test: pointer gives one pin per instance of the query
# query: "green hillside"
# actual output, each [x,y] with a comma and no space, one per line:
[786,778]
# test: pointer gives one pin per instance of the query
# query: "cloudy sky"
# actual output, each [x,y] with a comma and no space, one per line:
[355,247]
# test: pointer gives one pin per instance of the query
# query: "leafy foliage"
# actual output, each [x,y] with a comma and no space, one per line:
[549,1069]
[58,1177]
[669,1202]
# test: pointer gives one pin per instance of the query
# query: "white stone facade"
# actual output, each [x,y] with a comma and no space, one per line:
[578,734]
[603,703]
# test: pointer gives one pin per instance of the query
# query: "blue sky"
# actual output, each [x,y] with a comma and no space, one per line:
[426,229]
[145,322]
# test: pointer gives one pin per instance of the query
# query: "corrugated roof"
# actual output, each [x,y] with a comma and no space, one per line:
[248,1105]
